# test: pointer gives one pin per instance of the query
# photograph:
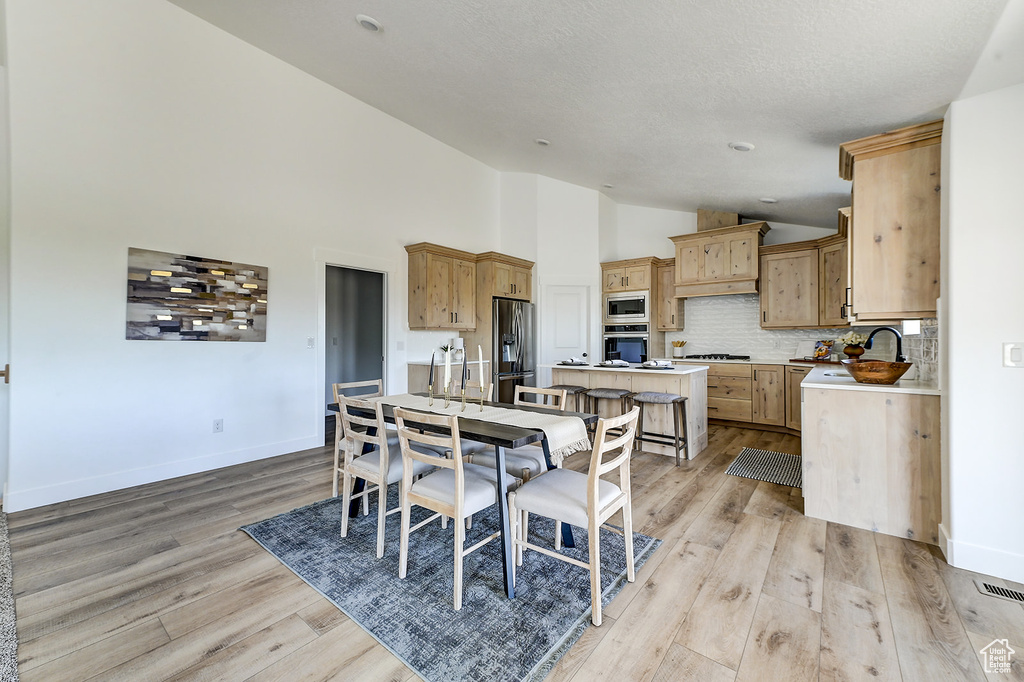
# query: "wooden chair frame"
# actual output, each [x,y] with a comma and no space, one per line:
[357,434]
[433,440]
[339,429]
[604,443]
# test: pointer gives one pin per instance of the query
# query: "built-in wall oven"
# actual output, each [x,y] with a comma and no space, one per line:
[626,342]
[628,306]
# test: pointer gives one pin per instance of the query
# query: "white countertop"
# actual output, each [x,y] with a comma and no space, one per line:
[426,363]
[634,369]
[819,379]
[754,361]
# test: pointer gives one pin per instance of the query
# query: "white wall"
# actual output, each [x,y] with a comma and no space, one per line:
[983,268]
[5,264]
[134,123]
[645,231]
[518,223]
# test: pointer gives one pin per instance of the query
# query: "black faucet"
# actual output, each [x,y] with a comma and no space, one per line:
[899,341]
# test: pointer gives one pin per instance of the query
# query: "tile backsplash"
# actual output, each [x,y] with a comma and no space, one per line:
[923,350]
[731,324]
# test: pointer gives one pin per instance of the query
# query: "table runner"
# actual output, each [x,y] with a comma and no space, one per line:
[565,435]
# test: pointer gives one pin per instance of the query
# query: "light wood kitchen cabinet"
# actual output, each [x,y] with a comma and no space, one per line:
[505,276]
[794,375]
[768,404]
[804,284]
[729,391]
[721,261]
[833,276]
[442,288]
[894,230]
[668,309]
[789,289]
[871,460]
[628,275]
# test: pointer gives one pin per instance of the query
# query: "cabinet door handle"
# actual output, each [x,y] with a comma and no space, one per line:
[764,315]
[710,407]
[849,296]
[755,375]
[842,311]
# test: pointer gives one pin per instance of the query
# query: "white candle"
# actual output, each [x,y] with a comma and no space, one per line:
[480,354]
[447,369]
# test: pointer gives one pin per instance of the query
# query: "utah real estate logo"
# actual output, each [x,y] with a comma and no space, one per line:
[997,656]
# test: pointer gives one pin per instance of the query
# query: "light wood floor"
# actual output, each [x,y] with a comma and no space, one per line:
[156,583]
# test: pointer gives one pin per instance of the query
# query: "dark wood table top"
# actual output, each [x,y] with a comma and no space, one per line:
[492,433]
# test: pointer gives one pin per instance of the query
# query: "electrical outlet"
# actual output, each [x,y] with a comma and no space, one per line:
[218,425]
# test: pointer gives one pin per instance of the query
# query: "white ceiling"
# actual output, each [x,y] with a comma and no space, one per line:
[644,95]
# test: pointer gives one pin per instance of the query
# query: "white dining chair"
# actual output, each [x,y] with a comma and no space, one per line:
[528,461]
[585,501]
[379,468]
[456,490]
[343,390]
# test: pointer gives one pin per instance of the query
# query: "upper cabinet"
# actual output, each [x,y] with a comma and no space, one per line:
[804,284]
[719,261]
[894,230]
[668,309]
[442,288]
[506,276]
[626,275]
[789,289]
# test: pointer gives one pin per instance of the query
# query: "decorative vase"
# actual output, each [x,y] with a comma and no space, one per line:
[854,351]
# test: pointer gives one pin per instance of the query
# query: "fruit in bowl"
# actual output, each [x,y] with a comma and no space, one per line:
[876,371]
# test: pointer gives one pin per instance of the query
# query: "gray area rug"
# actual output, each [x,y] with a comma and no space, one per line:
[769,466]
[8,626]
[491,637]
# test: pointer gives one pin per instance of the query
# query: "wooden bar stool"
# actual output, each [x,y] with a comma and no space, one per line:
[678,407]
[594,396]
[572,390]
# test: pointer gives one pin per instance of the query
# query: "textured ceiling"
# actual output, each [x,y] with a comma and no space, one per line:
[643,95]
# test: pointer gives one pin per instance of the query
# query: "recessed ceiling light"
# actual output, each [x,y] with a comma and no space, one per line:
[369,23]
[741,146]
[607,186]
[768,200]
[542,142]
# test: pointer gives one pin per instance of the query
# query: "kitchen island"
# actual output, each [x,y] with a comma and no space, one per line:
[871,454]
[688,381]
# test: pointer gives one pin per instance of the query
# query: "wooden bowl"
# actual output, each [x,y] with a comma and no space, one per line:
[876,371]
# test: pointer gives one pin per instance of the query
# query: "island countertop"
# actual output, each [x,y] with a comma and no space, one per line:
[634,369]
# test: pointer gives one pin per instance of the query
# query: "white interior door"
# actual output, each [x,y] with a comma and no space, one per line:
[564,317]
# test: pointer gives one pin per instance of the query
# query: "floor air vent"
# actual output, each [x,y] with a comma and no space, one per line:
[1001,592]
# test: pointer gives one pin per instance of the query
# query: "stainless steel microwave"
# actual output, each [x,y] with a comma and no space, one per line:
[628,306]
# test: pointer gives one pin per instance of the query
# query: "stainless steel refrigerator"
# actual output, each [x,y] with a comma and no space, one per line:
[512,347]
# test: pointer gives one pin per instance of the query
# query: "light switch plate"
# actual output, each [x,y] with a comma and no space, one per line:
[911,327]
[1013,354]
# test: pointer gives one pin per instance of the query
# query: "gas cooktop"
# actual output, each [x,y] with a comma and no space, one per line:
[717,356]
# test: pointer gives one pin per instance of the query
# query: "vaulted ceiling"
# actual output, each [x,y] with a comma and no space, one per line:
[646,95]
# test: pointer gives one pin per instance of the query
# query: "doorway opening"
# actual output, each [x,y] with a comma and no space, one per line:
[354,330]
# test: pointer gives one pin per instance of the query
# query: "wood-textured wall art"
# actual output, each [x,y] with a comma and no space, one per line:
[186,298]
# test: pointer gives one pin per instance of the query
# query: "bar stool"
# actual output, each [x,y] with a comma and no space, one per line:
[572,390]
[595,395]
[678,407]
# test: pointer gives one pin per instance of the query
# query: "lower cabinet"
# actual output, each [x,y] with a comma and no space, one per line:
[794,375]
[769,400]
[871,460]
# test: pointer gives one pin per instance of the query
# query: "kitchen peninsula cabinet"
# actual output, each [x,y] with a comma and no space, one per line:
[668,309]
[894,229]
[506,276]
[721,261]
[627,275]
[442,288]
[871,455]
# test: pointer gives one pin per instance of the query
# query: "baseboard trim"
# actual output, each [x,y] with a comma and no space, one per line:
[987,560]
[945,544]
[19,500]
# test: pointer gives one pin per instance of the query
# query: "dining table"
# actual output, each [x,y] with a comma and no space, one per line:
[501,437]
